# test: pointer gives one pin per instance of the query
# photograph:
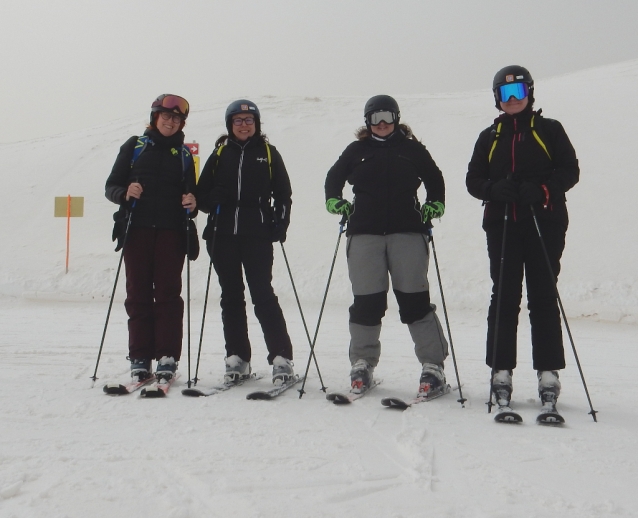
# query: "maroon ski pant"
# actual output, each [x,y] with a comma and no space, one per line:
[154,259]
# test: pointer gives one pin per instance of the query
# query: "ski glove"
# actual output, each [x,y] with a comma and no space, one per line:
[504,190]
[339,206]
[278,233]
[529,193]
[432,210]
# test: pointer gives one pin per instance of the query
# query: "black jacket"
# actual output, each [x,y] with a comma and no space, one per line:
[518,152]
[159,169]
[385,176]
[239,180]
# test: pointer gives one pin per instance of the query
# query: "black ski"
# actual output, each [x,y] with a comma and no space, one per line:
[222,387]
[549,415]
[274,392]
[345,398]
[400,404]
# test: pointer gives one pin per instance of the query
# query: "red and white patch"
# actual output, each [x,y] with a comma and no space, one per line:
[509,78]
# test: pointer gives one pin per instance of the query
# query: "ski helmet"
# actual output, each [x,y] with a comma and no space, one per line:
[513,74]
[243,106]
[381,103]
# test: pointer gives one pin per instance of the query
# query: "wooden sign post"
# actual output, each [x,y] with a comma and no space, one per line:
[68,207]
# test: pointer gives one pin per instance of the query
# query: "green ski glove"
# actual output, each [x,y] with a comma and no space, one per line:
[432,210]
[339,206]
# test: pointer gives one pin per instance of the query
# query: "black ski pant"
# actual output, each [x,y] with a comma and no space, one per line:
[154,259]
[255,256]
[524,255]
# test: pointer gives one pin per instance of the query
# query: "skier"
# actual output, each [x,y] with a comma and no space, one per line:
[387,233]
[239,180]
[159,193]
[522,165]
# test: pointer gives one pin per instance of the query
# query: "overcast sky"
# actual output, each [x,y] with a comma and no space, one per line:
[72,64]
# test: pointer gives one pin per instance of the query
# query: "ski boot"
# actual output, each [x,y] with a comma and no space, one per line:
[140,369]
[282,370]
[360,376]
[502,392]
[165,370]
[432,383]
[236,369]
[548,391]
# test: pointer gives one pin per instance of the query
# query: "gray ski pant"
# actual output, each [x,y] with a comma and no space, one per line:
[405,257]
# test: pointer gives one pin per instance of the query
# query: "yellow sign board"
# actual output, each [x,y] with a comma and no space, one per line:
[62,206]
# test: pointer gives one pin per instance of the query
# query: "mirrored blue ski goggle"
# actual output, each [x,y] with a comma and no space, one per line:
[517,90]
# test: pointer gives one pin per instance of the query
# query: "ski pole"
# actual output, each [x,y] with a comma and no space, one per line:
[210,268]
[498,305]
[188,293]
[294,289]
[592,412]
[342,224]
[117,276]
[461,399]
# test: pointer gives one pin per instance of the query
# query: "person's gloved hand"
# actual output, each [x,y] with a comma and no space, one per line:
[504,190]
[529,192]
[278,233]
[432,210]
[339,206]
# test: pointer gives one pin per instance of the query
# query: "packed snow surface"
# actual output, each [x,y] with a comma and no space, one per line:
[68,450]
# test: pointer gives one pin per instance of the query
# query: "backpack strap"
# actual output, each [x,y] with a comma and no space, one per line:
[538,139]
[269,160]
[497,134]
[140,146]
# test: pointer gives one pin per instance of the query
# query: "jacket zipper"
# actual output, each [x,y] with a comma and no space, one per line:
[514,164]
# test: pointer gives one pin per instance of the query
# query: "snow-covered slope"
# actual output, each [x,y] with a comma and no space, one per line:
[598,278]
[69,451]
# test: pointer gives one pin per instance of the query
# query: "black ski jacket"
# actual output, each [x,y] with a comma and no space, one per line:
[518,153]
[385,176]
[159,169]
[239,180]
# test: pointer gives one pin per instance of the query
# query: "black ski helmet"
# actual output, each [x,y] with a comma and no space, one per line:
[170,103]
[513,74]
[380,103]
[242,106]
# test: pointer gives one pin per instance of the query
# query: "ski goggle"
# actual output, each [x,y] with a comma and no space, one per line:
[376,118]
[517,90]
[172,102]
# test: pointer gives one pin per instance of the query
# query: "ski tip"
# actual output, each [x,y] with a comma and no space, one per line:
[508,417]
[192,392]
[115,389]
[396,403]
[550,419]
[264,396]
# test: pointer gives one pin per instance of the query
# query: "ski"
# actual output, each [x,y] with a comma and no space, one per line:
[345,398]
[400,404]
[549,415]
[505,414]
[222,387]
[274,392]
[160,388]
[117,389]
